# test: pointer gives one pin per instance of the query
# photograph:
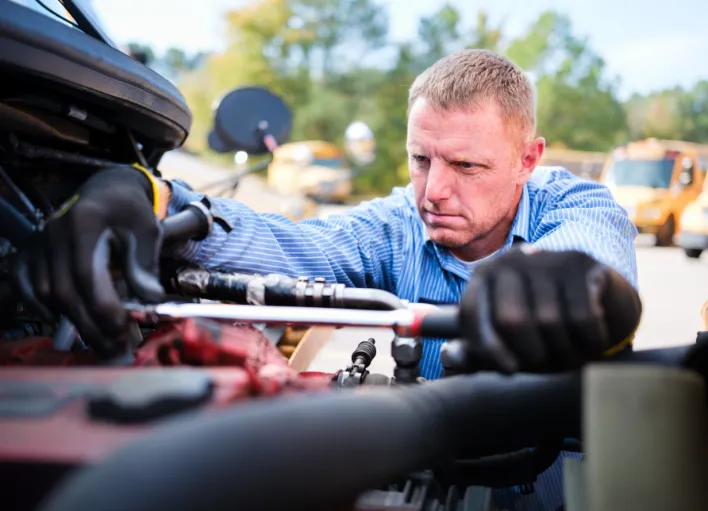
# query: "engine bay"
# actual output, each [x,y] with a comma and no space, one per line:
[70,105]
[49,145]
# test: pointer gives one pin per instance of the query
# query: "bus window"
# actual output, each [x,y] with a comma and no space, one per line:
[649,173]
[333,163]
[703,164]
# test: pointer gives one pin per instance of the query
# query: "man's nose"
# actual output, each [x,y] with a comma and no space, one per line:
[439,185]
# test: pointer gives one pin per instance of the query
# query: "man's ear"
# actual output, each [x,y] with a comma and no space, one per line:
[530,157]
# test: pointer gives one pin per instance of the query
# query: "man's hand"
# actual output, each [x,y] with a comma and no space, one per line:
[66,268]
[542,311]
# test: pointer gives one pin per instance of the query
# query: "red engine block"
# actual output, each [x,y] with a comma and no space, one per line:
[63,408]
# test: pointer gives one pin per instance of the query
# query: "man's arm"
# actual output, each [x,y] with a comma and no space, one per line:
[583,215]
[362,248]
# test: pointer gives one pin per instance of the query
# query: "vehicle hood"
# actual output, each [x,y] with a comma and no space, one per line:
[632,196]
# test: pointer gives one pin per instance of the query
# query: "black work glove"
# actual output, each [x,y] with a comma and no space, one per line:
[542,311]
[66,268]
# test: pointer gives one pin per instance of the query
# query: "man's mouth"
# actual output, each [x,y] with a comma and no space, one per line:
[438,218]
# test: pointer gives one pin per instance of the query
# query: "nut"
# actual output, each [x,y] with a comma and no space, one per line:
[406,350]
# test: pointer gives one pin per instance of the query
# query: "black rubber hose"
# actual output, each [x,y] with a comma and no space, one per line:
[320,452]
[442,323]
[237,287]
[278,290]
[190,223]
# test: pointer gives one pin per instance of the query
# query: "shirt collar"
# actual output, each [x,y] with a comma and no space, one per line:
[522,220]
[519,232]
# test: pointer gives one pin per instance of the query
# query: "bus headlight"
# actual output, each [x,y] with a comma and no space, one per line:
[651,213]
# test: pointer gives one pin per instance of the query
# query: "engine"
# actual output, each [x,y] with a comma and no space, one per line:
[44,156]
[71,104]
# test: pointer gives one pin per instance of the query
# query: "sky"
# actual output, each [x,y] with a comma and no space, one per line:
[649,44]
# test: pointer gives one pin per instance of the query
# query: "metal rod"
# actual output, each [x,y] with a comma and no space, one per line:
[400,320]
[233,181]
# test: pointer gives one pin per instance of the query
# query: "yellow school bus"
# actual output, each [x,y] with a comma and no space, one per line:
[654,180]
[314,168]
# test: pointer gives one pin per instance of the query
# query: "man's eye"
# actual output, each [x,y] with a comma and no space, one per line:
[464,164]
[418,158]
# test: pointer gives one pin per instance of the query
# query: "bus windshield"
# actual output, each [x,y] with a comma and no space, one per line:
[333,163]
[649,173]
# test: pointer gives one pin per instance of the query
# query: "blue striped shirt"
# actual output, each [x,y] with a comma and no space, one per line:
[383,243]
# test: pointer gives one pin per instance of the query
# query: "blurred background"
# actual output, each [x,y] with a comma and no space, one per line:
[607,72]
[622,99]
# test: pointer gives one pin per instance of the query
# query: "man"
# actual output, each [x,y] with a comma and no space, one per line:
[472,150]
[475,191]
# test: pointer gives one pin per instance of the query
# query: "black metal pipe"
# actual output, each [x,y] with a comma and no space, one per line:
[276,290]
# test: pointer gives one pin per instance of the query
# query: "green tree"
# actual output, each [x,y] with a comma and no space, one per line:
[439,34]
[320,56]
[656,115]
[577,102]
[143,52]
[388,118]
[293,47]
[176,59]
[675,113]
[694,110]
[342,33]
[387,113]
[484,36]
[257,37]
[532,50]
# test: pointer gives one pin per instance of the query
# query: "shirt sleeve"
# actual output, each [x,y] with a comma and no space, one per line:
[360,248]
[582,215]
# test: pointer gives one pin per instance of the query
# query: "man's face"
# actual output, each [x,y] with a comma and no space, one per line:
[468,169]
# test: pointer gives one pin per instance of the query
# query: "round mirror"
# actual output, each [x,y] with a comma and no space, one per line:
[244,116]
[360,143]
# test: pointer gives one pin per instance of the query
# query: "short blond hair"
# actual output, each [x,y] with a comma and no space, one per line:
[468,77]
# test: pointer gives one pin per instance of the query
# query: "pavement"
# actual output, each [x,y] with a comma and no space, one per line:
[209,177]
